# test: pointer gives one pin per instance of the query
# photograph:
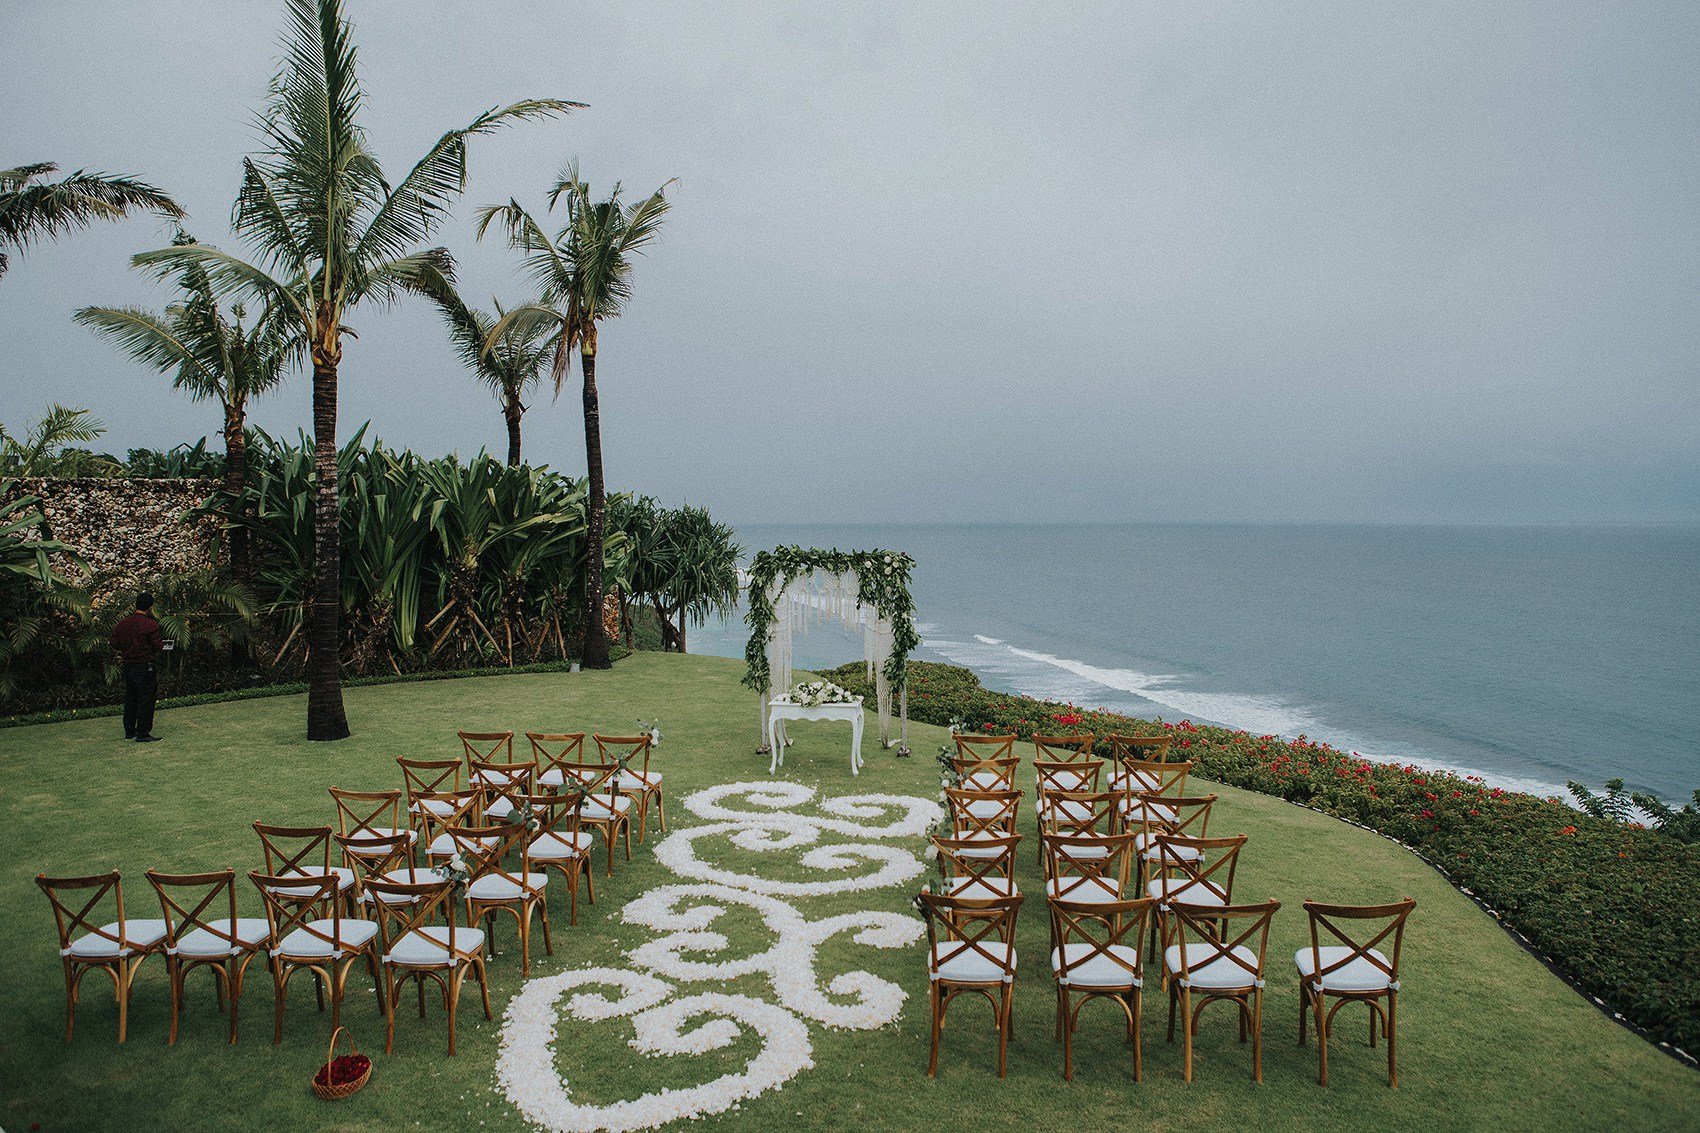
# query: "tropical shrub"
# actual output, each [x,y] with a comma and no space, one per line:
[1614,906]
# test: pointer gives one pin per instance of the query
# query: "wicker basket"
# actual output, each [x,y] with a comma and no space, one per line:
[337,1091]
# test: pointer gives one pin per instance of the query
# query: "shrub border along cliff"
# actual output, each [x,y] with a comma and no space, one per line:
[1613,909]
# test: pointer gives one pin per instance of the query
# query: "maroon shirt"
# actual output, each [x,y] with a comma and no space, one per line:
[136,638]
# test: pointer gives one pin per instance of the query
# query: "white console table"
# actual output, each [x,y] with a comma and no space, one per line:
[779,709]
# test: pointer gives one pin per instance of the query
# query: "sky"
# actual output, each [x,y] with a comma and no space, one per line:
[1313,261]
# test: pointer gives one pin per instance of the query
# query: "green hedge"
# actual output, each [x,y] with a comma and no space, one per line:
[1613,907]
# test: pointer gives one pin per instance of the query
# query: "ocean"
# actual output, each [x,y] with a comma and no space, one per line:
[1529,655]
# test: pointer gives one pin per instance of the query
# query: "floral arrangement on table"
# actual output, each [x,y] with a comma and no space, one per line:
[811,694]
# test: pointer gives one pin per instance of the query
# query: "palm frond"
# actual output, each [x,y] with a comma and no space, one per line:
[31,212]
[152,341]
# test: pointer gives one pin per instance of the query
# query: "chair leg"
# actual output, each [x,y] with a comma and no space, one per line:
[543,911]
[661,809]
[392,1001]
[239,969]
[1318,1003]
[452,992]
[1392,1067]
[70,1001]
[1066,1021]
[1138,1069]
[1186,1032]
[279,990]
[1005,1017]
[174,977]
[628,826]
[589,868]
[483,985]
[1304,1007]
[1374,1010]
[126,976]
[933,1054]
[1174,995]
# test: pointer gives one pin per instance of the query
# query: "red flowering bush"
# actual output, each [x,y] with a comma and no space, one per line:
[1616,907]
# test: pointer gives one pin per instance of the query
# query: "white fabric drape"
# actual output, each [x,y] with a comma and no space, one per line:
[816,598]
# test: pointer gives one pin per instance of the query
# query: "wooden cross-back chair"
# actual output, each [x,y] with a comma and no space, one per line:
[202,930]
[426,777]
[982,748]
[1095,955]
[1075,775]
[369,814]
[498,784]
[305,941]
[1151,776]
[978,868]
[635,779]
[976,774]
[89,942]
[551,749]
[560,845]
[1199,871]
[982,814]
[450,808]
[1212,960]
[1087,867]
[605,810]
[385,858]
[970,949]
[1079,814]
[494,888]
[1076,748]
[1357,969]
[1143,749]
[491,747]
[414,948]
[304,852]
[1185,815]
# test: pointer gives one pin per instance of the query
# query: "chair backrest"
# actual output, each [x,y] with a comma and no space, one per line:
[1206,934]
[289,909]
[1098,930]
[74,913]
[977,859]
[972,924]
[984,747]
[1081,812]
[485,848]
[371,857]
[550,749]
[989,774]
[366,813]
[1186,815]
[1101,861]
[997,811]
[493,747]
[630,751]
[486,773]
[405,907]
[1149,749]
[191,901]
[428,776]
[1070,775]
[1353,926]
[1198,864]
[1152,778]
[556,814]
[1063,749]
[591,778]
[454,808]
[295,849]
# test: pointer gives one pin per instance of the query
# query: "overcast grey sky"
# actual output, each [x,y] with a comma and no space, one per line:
[1311,260]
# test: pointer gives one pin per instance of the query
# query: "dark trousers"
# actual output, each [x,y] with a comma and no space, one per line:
[141,689]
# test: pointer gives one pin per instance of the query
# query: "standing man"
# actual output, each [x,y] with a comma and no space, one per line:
[137,642]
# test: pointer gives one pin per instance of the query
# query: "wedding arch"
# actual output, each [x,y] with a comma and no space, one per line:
[865,591]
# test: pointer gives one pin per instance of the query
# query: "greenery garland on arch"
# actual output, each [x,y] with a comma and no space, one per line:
[882,586]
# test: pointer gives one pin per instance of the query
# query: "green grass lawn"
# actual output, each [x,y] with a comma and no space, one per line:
[1488,1038]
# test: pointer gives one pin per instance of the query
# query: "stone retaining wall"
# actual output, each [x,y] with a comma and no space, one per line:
[125,530]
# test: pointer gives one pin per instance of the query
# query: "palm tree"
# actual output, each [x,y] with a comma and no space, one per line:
[512,364]
[32,210]
[212,357]
[331,232]
[584,274]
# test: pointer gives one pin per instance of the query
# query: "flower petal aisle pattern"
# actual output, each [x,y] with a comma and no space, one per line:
[685,916]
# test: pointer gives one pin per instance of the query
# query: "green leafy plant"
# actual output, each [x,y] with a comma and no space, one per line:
[33,210]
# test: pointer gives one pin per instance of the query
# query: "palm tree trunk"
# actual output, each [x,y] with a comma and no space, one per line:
[681,627]
[326,719]
[512,411]
[235,479]
[595,635]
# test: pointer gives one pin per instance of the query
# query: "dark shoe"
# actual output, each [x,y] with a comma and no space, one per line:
[147,739]
[129,735]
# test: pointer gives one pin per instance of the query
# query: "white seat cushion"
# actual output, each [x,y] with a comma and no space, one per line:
[556,847]
[344,879]
[980,853]
[139,935]
[1100,970]
[199,943]
[495,887]
[435,806]
[553,777]
[955,961]
[1125,780]
[379,832]
[443,846]
[1184,890]
[301,944]
[981,889]
[1095,890]
[985,808]
[1153,852]
[985,781]
[596,807]
[1071,810]
[1359,975]
[629,780]
[428,947]
[404,876]
[1219,974]
[491,778]
[1082,853]
[498,808]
